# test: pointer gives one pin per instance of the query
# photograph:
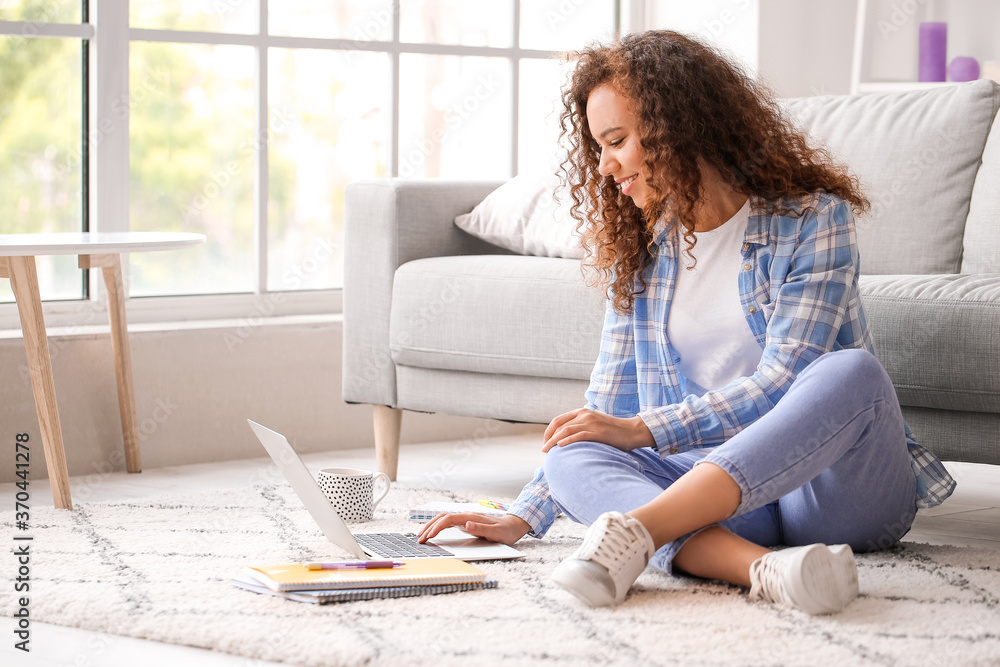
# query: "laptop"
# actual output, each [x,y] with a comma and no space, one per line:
[449,543]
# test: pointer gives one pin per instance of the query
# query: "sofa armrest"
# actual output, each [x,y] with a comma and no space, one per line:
[387,223]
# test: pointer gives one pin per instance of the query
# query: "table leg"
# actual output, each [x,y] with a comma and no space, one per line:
[111,266]
[24,283]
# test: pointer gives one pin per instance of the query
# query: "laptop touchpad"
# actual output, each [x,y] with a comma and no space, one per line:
[469,547]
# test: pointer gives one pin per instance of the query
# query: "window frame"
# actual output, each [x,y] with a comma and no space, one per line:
[110,36]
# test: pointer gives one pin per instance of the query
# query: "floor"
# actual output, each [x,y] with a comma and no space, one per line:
[497,467]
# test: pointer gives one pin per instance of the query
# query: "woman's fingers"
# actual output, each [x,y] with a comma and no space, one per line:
[442,521]
[579,436]
[435,526]
[582,421]
[559,421]
[562,426]
[567,436]
[559,434]
[506,529]
[623,433]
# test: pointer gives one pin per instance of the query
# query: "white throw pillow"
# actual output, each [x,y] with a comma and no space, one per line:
[523,215]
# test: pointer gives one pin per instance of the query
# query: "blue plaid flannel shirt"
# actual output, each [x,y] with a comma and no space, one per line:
[799,291]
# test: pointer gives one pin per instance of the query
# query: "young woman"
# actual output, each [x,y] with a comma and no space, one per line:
[736,404]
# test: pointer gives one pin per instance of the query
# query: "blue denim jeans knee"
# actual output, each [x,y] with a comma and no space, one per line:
[828,463]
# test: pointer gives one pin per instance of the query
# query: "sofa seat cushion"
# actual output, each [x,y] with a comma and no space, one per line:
[514,315]
[937,337]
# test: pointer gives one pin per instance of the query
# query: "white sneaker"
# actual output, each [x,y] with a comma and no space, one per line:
[816,579]
[614,553]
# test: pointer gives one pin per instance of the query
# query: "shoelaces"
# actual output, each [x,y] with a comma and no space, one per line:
[606,547]
[767,582]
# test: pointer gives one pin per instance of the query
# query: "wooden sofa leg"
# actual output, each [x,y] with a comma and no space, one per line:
[387,423]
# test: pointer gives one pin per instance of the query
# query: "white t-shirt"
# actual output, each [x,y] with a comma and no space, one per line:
[706,325]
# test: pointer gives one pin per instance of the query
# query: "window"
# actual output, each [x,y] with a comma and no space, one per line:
[246,119]
[42,116]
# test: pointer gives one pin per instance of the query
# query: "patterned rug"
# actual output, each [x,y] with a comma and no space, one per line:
[159,569]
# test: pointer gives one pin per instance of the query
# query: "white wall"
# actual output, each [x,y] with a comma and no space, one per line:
[806,46]
[731,25]
[798,47]
[194,390]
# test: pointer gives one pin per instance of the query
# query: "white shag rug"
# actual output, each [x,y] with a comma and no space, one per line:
[159,569]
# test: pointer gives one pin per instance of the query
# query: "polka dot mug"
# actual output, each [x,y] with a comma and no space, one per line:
[351,490]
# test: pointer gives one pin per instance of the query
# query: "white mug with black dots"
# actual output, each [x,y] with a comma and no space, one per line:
[351,492]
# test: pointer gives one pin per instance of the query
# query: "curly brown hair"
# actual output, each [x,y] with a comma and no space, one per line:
[691,104]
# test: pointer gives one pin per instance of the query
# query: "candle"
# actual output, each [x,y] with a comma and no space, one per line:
[933,51]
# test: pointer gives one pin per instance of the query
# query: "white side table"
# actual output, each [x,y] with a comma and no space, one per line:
[17,263]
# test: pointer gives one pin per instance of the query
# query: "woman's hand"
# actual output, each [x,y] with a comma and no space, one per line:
[583,424]
[506,529]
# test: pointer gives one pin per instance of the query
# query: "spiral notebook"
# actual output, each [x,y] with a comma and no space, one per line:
[416,572]
[356,594]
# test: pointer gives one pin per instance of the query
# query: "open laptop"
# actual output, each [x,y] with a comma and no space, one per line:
[450,543]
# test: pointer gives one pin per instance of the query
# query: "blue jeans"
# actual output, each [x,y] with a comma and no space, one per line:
[828,463]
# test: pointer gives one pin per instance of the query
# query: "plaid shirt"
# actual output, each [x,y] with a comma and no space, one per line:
[799,290]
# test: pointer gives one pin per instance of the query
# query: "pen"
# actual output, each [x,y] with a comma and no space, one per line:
[356,565]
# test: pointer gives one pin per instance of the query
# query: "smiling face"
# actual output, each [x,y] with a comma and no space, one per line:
[613,126]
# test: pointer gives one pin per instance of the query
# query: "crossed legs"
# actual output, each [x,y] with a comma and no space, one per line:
[827,464]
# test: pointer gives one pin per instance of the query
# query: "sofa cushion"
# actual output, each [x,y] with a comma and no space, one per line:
[525,216]
[516,315]
[494,396]
[982,229]
[917,154]
[938,336]
[956,436]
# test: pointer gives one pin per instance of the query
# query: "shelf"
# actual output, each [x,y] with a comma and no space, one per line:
[886,44]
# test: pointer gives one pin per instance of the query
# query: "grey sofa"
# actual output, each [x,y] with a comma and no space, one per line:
[436,320]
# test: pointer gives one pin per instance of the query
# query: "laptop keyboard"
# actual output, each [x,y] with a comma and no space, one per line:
[398,545]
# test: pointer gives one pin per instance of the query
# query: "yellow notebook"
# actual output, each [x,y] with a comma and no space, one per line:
[416,572]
